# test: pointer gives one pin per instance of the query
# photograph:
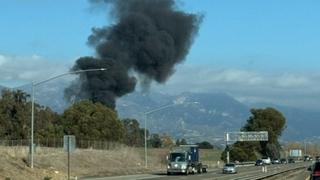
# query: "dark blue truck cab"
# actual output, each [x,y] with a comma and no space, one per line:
[185,160]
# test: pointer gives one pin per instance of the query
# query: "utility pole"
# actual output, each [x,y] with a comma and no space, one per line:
[227,147]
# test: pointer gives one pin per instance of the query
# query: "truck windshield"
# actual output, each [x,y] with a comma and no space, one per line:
[177,157]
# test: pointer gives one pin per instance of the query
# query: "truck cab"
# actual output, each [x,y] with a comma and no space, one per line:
[184,159]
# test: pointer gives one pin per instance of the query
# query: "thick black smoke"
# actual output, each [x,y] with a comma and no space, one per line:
[149,38]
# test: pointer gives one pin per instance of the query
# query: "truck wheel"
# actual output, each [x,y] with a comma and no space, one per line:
[204,170]
[187,172]
[194,170]
[199,171]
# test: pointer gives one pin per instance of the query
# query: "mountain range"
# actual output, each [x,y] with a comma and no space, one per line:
[193,116]
[212,116]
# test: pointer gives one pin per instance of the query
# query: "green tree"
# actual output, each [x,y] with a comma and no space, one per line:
[183,142]
[268,119]
[47,124]
[178,142]
[271,120]
[166,140]
[241,151]
[133,135]
[15,115]
[155,141]
[92,121]
[205,145]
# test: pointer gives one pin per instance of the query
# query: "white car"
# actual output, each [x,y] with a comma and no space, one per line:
[266,160]
[229,168]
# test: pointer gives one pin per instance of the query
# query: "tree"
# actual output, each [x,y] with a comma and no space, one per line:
[183,142]
[155,141]
[92,121]
[271,120]
[133,135]
[15,114]
[178,142]
[205,145]
[48,124]
[15,109]
[166,141]
[268,119]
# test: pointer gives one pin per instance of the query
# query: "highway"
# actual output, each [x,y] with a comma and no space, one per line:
[244,173]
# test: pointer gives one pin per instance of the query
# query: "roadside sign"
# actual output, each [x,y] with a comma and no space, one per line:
[69,143]
[246,136]
[295,153]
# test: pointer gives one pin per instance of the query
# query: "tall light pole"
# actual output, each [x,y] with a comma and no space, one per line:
[32,102]
[145,123]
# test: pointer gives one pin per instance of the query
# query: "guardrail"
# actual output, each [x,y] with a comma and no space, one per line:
[265,176]
[247,163]
[270,174]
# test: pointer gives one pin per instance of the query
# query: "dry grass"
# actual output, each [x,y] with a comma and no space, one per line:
[52,162]
[14,165]
[211,158]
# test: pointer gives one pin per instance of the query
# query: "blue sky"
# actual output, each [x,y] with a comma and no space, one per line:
[263,42]
[56,30]
[249,34]
[275,34]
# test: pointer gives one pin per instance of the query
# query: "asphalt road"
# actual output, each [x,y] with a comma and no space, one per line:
[248,172]
[302,175]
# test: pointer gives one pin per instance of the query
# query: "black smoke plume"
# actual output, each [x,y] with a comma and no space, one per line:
[149,38]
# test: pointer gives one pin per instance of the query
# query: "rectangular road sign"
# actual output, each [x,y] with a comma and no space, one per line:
[295,153]
[246,136]
[69,143]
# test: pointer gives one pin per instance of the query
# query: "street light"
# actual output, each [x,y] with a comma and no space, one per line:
[145,123]
[32,101]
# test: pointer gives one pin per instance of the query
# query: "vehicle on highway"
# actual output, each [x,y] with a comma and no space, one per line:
[266,160]
[185,159]
[307,158]
[283,161]
[229,168]
[315,171]
[259,162]
[275,161]
[291,160]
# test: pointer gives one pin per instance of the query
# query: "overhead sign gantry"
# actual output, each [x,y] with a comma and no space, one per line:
[244,136]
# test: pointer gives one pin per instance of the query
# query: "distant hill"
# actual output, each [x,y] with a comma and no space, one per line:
[214,114]
[208,119]
[2,87]
[302,124]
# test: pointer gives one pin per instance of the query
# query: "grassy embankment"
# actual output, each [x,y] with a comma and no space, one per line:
[52,162]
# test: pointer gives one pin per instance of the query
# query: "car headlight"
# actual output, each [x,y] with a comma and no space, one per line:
[169,166]
[183,166]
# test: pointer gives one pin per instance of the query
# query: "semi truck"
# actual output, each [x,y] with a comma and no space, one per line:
[184,159]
